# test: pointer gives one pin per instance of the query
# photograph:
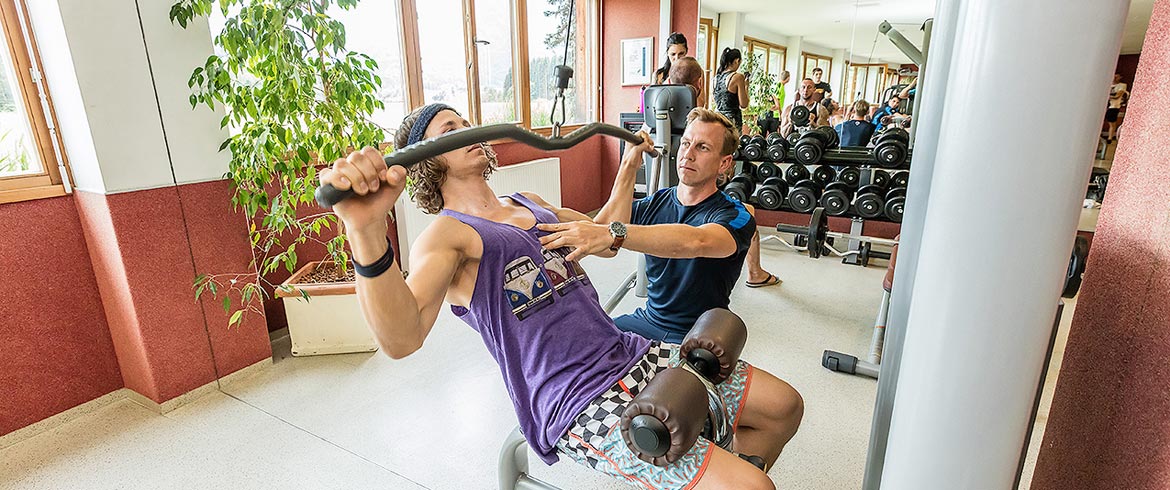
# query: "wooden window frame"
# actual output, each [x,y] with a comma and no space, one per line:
[712,43]
[753,43]
[408,18]
[805,55]
[49,182]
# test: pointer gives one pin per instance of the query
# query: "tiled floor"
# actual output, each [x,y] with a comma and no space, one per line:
[436,419]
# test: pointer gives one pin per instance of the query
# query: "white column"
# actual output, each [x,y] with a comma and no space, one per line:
[730,32]
[795,45]
[113,101]
[1003,207]
[838,75]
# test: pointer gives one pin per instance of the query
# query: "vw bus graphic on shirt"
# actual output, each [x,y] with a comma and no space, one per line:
[562,273]
[527,287]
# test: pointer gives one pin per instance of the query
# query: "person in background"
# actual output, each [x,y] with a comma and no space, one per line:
[1117,94]
[857,131]
[824,91]
[778,99]
[730,90]
[819,116]
[676,47]
[887,111]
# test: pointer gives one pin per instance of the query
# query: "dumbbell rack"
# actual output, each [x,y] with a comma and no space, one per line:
[858,251]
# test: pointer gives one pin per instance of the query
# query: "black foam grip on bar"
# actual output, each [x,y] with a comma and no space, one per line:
[794,229]
[720,332]
[327,195]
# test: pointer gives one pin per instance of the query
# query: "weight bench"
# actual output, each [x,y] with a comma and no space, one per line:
[665,419]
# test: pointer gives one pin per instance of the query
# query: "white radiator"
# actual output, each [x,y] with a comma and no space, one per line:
[542,177]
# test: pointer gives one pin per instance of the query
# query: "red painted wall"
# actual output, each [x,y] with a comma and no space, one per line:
[1108,425]
[56,347]
[624,19]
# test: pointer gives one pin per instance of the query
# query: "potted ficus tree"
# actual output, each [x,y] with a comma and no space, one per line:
[294,97]
[761,88]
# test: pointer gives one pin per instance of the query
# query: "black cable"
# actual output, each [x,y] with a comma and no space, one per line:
[565,62]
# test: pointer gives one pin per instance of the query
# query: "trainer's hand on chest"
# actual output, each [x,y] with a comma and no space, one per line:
[584,237]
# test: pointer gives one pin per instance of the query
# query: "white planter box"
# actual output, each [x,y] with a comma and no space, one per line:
[330,322]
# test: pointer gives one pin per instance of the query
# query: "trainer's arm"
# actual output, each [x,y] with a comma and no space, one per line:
[401,312]
[621,197]
[672,241]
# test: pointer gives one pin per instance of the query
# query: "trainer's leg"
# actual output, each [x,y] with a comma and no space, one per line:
[725,470]
[770,417]
[756,272]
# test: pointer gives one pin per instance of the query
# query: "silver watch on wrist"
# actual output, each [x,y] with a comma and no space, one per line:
[617,229]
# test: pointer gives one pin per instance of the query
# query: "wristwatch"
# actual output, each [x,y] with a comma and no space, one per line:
[618,230]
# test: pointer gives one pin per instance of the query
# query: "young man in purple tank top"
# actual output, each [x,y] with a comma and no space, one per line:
[568,369]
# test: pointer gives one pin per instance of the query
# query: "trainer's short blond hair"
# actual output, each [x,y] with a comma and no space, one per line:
[731,133]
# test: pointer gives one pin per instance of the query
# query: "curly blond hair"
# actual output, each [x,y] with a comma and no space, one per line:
[427,176]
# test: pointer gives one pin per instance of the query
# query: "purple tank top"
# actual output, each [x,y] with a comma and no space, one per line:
[541,320]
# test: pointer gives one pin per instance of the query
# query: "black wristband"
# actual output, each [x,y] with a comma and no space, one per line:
[379,266]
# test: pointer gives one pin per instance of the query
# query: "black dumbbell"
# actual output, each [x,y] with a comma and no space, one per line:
[869,202]
[895,206]
[754,150]
[799,115]
[804,196]
[741,187]
[900,179]
[836,198]
[850,175]
[891,148]
[895,192]
[811,147]
[777,147]
[832,139]
[824,174]
[881,177]
[792,138]
[771,193]
[744,139]
[796,173]
[767,170]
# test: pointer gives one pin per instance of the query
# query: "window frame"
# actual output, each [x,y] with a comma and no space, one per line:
[412,69]
[804,71]
[712,43]
[26,60]
[754,43]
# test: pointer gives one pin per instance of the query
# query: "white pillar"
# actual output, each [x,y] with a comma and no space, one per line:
[1003,206]
[730,32]
[837,79]
[663,29]
[795,45]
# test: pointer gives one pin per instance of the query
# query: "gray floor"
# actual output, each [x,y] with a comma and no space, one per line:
[436,419]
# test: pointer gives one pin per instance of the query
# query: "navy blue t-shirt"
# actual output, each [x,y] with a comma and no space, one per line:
[682,289]
[855,133]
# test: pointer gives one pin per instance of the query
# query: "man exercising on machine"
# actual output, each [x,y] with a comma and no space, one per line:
[569,371]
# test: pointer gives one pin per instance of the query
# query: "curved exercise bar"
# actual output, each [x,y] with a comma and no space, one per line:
[327,195]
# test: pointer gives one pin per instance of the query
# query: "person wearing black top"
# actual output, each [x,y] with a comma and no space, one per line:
[856,131]
[730,91]
[824,90]
[676,47]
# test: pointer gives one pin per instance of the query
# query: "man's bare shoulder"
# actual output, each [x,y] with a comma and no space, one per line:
[532,196]
[444,234]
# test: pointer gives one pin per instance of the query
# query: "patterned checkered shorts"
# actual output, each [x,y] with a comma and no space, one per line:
[595,440]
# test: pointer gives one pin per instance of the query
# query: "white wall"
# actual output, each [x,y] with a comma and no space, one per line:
[111,116]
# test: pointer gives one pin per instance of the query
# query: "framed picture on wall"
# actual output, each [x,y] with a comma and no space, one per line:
[638,61]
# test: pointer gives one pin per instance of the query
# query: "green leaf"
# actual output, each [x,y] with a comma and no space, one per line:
[227,303]
[235,319]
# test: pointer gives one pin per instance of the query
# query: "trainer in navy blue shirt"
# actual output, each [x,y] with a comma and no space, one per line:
[682,289]
[856,131]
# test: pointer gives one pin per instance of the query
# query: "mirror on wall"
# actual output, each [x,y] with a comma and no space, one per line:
[854,71]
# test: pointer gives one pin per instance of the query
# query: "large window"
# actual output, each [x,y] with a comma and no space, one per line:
[865,81]
[772,56]
[705,48]
[546,49]
[808,61]
[29,167]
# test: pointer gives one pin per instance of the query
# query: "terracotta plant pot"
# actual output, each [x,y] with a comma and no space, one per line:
[329,322]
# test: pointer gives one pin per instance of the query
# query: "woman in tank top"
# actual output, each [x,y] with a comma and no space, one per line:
[730,91]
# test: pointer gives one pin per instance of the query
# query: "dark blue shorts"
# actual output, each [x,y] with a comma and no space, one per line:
[638,323]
